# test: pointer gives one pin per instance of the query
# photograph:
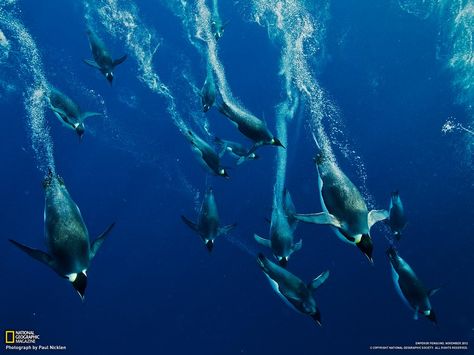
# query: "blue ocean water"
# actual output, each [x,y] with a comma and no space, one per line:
[386,86]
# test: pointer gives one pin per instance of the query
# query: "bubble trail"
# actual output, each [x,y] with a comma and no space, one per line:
[35,96]
[203,32]
[121,19]
[450,126]
[300,35]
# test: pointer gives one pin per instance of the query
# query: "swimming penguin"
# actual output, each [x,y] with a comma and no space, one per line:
[291,289]
[235,149]
[67,238]
[207,225]
[281,235]
[343,206]
[102,59]
[217,27]
[396,219]
[250,126]
[67,111]
[410,288]
[207,156]
[208,91]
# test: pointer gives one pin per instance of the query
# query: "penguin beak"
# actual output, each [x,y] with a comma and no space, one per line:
[110,77]
[276,142]
[366,246]
[210,245]
[80,284]
[317,317]
[432,317]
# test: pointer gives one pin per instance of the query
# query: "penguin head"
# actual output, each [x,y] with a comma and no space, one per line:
[223,173]
[110,76]
[205,107]
[431,315]
[79,282]
[366,246]
[283,260]
[276,142]
[80,129]
[210,245]
[317,316]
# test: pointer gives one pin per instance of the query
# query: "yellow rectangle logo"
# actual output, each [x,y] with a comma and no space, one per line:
[9,337]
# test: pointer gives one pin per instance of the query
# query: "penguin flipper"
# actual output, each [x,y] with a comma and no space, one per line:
[89,114]
[377,216]
[92,63]
[225,109]
[221,145]
[36,254]
[119,60]
[319,218]
[297,246]
[433,291]
[318,281]
[190,224]
[262,241]
[227,229]
[98,242]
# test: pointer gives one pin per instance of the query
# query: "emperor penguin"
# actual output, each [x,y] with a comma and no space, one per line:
[69,249]
[217,26]
[67,111]
[396,219]
[410,288]
[281,240]
[343,207]
[291,289]
[235,149]
[207,225]
[250,126]
[102,59]
[208,91]
[206,155]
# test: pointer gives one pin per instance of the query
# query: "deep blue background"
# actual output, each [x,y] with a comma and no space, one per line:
[153,288]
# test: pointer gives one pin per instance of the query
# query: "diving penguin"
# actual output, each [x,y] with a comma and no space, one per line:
[208,91]
[235,149]
[67,111]
[67,238]
[291,289]
[217,26]
[281,234]
[250,126]
[207,225]
[410,288]
[343,206]
[102,59]
[396,218]
[207,156]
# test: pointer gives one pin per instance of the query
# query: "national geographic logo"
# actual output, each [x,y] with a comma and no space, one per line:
[26,340]
[21,337]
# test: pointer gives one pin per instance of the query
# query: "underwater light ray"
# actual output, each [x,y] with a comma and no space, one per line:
[35,96]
